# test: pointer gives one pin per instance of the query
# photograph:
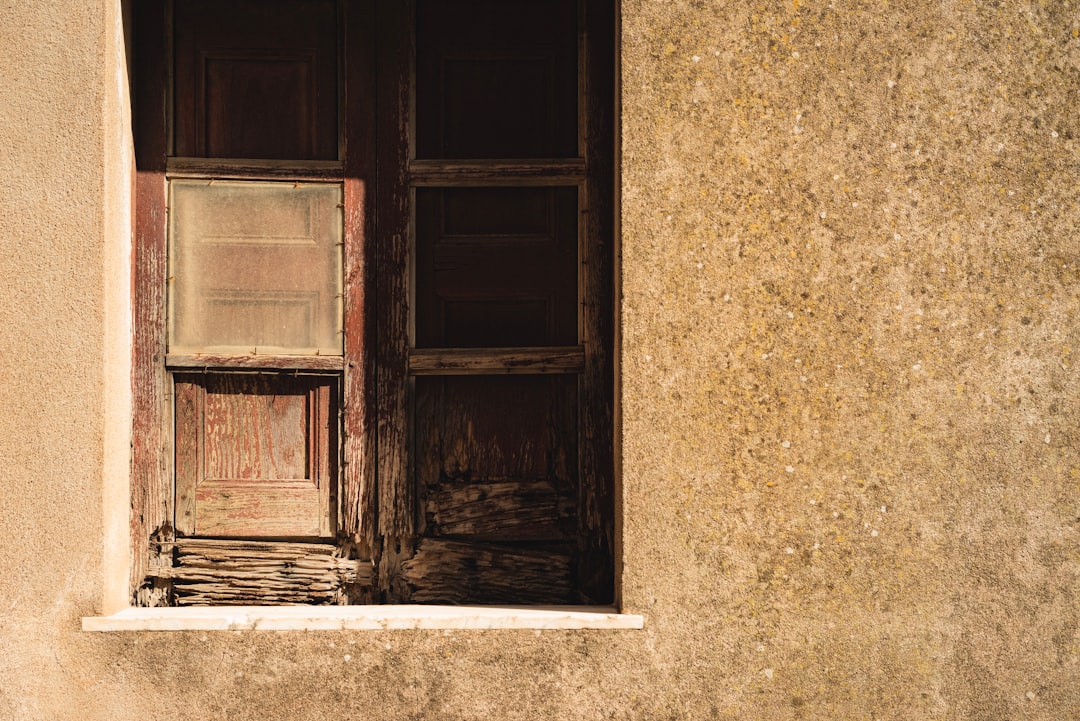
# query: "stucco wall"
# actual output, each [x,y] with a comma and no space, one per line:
[851,276]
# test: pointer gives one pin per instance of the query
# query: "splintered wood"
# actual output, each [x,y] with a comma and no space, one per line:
[453,572]
[258,573]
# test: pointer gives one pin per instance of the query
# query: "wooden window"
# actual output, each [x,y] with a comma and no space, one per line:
[374,312]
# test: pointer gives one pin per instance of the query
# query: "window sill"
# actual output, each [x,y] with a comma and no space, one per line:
[362,618]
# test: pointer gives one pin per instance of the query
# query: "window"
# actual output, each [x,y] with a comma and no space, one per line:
[374,305]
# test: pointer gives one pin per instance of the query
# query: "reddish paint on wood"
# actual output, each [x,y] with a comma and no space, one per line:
[151,488]
[254,362]
[253,454]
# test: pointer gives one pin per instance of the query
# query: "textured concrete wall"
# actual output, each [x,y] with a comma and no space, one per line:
[850,419]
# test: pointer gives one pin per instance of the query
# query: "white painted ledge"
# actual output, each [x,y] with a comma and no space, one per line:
[362,618]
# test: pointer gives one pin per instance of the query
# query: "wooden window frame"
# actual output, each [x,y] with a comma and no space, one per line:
[376,506]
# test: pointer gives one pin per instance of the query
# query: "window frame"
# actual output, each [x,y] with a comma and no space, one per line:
[375,429]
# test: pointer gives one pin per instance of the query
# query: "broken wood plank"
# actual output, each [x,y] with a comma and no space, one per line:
[500,511]
[455,572]
[253,572]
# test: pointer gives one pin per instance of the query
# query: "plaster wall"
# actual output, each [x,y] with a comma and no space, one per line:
[850,457]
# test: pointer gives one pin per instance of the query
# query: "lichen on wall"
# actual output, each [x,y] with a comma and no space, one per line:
[850,281]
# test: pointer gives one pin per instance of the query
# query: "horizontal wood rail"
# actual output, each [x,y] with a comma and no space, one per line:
[198,361]
[480,361]
[455,173]
[243,169]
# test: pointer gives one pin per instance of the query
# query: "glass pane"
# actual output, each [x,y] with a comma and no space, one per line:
[255,267]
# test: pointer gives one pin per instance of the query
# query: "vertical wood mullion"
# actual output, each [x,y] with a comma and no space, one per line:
[358,443]
[596,495]
[151,488]
[395,492]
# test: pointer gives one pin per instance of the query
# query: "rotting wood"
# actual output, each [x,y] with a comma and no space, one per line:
[205,361]
[493,173]
[470,361]
[500,511]
[252,572]
[455,572]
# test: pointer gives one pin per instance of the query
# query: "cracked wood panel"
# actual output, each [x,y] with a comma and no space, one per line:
[443,571]
[236,572]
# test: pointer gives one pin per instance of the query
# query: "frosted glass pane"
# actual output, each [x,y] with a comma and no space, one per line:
[255,267]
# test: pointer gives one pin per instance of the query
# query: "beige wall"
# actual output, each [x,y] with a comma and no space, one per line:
[851,454]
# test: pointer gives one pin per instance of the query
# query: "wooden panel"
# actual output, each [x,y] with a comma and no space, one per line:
[251,509]
[475,361]
[496,79]
[496,267]
[475,428]
[256,79]
[263,573]
[255,455]
[396,509]
[500,511]
[455,572]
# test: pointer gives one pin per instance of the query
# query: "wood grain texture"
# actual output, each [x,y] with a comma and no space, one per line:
[262,573]
[475,361]
[359,401]
[501,511]
[395,507]
[255,169]
[151,487]
[206,361]
[455,572]
[256,454]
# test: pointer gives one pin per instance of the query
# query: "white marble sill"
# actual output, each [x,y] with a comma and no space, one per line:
[362,618]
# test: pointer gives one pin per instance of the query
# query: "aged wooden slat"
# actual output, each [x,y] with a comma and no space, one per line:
[597,494]
[500,511]
[151,487]
[246,572]
[493,173]
[205,361]
[395,508]
[473,361]
[455,572]
[358,408]
[189,466]
[245,169]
